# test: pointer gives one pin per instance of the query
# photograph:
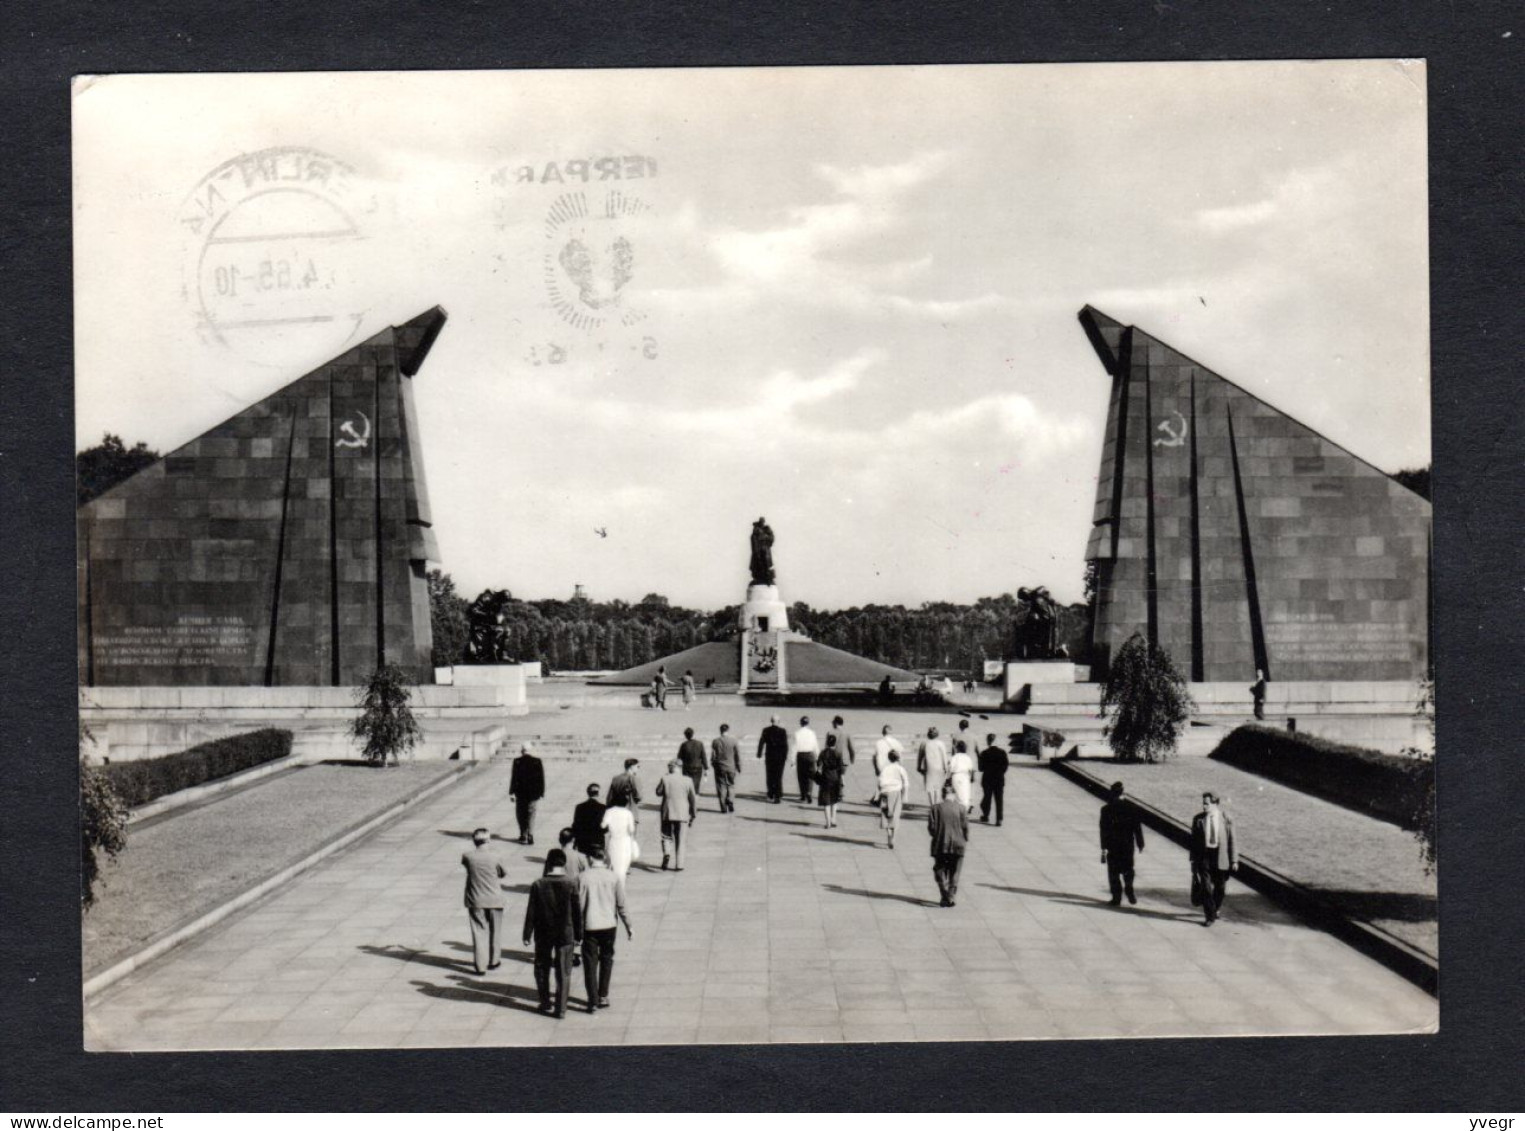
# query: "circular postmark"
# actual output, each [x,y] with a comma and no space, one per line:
[274,270]
[591,258]
[596,228]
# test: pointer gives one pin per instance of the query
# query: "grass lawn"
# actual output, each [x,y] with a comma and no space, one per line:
[183,866]
[1369,867]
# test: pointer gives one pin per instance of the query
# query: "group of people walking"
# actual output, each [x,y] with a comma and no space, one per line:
[661,685]
[575,908]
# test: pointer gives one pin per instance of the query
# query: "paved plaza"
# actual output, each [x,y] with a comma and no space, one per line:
[778,930]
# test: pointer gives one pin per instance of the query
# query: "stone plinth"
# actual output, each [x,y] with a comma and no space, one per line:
[1022,674]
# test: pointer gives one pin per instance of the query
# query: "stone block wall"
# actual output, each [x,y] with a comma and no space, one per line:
[1238,538]
[286,546]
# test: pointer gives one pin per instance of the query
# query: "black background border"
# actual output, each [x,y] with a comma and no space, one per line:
[1477,197]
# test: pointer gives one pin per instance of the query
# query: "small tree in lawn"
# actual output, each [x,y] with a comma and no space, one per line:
[386,725]
[102,827]
[1148,700]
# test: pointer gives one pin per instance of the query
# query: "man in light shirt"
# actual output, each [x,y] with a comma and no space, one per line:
[602,895]
[882,748]
[893,785]
[806,747]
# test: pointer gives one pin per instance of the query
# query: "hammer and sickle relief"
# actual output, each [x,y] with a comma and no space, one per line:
[1176,435]
[354,437]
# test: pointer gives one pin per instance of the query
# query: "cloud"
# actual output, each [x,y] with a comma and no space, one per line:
[1298,197]
[838,252]
[880,181]
[771,408]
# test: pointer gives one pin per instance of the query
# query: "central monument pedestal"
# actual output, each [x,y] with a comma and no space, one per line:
[764,624]
[763,611]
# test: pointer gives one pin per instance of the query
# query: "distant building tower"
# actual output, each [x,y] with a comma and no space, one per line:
[579,593]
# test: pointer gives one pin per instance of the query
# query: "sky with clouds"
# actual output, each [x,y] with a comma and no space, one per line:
[842,298]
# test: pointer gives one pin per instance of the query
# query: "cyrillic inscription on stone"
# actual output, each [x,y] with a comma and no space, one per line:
[192,641]
[1327,641]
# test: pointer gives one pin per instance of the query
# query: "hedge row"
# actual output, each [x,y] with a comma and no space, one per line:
[143,781]
[1387,786]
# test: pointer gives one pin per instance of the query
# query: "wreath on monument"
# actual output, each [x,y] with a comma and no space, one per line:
[764,660]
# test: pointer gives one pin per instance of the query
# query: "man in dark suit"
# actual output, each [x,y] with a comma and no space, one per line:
[693,758]
[484,901]
[948,824]
[1213,855]
[773,746]
[1121,833]
[624,788]
[553,922]
[526,786]
[588,822]
[845,747]
[994,762]
[725,757]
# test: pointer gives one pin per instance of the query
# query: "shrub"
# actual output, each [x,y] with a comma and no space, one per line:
[1150,702]
[1391,787]
[102,827]
[386,724]
[142,781]
[1422,817]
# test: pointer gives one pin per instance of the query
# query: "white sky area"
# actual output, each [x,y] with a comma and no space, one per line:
[860,286]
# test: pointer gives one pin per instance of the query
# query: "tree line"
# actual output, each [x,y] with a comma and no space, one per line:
[584,635]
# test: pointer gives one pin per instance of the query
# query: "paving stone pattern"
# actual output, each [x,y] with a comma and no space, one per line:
[778,930]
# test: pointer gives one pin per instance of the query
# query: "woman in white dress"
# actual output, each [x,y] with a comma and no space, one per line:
[619,838]
[961,774]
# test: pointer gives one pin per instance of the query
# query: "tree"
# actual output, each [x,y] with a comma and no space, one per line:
[102,827]
[1416,479]
[99,469]
[1091,585]
[1150,701]
[1422,819]
[386,724]
[447,619]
